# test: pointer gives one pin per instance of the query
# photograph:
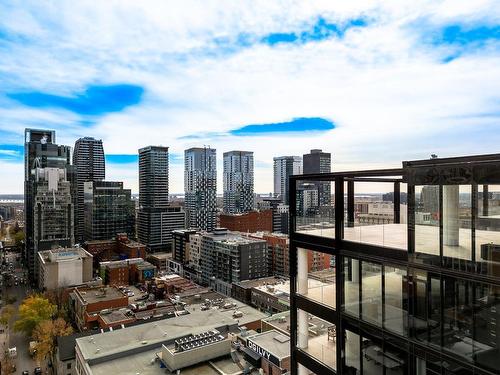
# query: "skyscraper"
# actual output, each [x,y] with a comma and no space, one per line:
[89,164]
[284,167]
[318,161]
[200,185]
[108,210]
[156,219]
[44,191]
[238,182]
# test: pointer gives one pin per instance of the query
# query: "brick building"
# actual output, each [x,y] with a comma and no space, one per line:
[120,247]
[87,303]
[248,222]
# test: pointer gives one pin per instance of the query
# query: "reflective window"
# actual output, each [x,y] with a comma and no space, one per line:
[427,214]
[352,354]
[315,208]
[371,293]
[486,346]
[457,315]
[375,219]
[427,307]
[351,286]
[396,300]
[317,337]
[316,276]
[487,229]
[457,218]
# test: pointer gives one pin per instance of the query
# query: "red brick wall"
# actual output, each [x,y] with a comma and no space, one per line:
[253,221]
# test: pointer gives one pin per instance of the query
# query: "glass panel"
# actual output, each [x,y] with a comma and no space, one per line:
[487,229]
[427,307]
[317,337]
[427,214]
[315,208]
[370,217]
[487,326]
[371,292]
[316,276]
[372,357]
[352,354]
[457,214]
[351,286]
[457,313]
[396,300]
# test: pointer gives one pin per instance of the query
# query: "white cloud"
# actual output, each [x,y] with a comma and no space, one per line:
[388,92]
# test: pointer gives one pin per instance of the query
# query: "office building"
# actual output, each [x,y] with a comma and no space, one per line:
[420,297]
[63,267]
[41,151]
[156,219]
[315,162]
[108,210]
[238,182]
[280,213]
[284,167]
[52,211]
[200,185]
[89,165]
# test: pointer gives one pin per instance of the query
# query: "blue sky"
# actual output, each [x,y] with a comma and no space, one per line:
[372,82]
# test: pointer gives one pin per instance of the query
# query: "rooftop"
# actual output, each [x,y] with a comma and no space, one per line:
[152,334]
[248,284]
[93,295]
[273,342]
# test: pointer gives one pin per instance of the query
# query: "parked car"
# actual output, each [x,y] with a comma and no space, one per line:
[25,372]
[38,371]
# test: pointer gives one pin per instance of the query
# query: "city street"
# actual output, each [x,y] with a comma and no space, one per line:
[16,339]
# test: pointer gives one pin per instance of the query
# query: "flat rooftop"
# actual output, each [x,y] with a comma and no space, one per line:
[273,342]
[248,284]
[97,294]
[102,345]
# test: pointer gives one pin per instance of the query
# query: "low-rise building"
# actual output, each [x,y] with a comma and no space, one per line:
[159,260]
[63,267]
[182,342]
[87,303]
[270,351]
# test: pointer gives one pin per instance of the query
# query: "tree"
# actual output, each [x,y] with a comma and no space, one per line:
[32,311]
[7,313]
[18,238]
[58,297]
[7,364]
[46,334]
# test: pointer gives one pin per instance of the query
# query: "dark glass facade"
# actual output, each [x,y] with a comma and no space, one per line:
[417,284]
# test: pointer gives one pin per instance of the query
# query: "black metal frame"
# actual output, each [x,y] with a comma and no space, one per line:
[483,169]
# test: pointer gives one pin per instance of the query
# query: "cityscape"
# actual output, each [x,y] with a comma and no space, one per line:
[162,211]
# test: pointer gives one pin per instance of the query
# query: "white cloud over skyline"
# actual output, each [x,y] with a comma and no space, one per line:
[415,78]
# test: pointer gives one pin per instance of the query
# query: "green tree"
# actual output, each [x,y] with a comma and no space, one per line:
[18,238]
[46,334]
[33,310]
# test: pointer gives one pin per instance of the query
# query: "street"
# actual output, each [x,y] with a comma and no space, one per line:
[17,339]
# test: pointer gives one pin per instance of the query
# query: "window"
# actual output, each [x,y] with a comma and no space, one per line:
[351,286]
[427,215]
[487,229]
[317,337]
[457,215]
[315,209]
[395,300]
[371,292]
[316,276]
[68,366]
